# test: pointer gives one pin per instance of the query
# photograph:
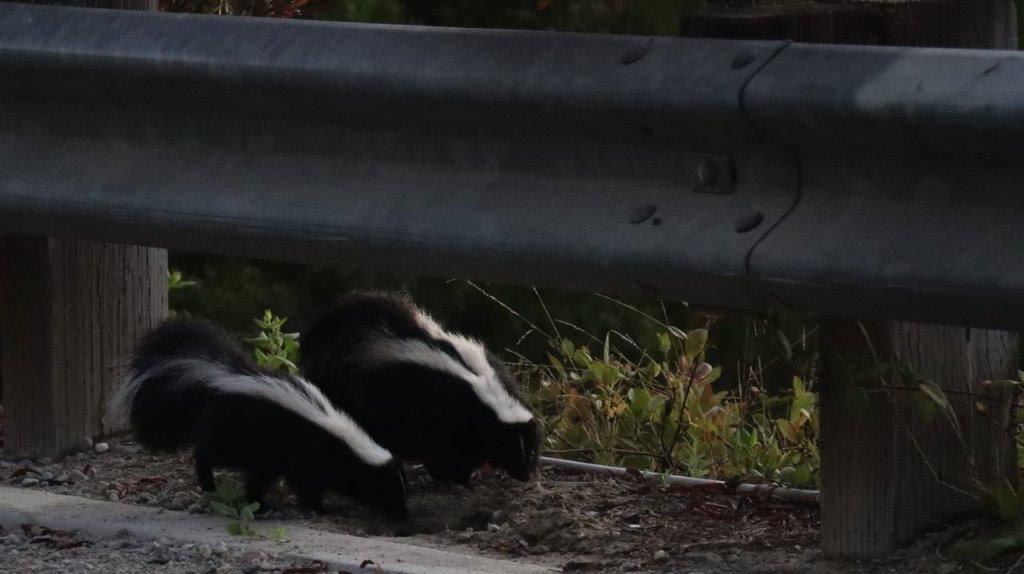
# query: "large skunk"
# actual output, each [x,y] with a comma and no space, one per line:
[424,393]
[189,386]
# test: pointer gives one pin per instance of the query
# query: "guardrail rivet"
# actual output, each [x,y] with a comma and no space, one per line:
[642,213]
[707,173]
[749,221]
[743,59]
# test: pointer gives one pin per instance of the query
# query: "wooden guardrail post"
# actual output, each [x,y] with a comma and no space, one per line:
[891,466]
[893,461]
[70,310]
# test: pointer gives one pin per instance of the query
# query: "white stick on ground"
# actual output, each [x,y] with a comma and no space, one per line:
[796,495]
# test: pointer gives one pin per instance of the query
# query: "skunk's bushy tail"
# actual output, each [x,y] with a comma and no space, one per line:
[170,378]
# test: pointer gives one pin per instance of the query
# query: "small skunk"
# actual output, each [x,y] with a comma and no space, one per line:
[424,393]
[189,386]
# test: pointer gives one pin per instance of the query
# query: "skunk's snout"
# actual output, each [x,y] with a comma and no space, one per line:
[526,444]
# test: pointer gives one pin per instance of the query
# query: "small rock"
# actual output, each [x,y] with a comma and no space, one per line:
[203,551]
[220,548]
[660,556]
[101,447]
[85,443]
[29,481]
[195,508]
[179,501]
[491,527]
[539,549]
[46,476]
[544,523]
[45,461]
[113,496]
[464,536]
[523,543]
[498,516]
[62,478]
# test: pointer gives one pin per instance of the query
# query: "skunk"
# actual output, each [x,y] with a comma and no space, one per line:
[189,386]
[424,393]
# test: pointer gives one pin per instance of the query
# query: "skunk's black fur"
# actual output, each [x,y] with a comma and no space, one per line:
[425,394]
[189,386]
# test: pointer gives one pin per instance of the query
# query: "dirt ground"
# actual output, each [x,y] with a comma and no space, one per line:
[572,521]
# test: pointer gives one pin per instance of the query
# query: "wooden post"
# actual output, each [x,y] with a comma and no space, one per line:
[889,469]
[893,463]
[70,311]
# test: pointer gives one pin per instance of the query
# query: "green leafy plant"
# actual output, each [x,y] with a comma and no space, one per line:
[228,500]
[176,281]
[611,401]
[275,349]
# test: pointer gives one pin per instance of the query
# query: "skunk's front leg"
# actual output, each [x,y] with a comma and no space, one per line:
[310,495]
[256,484]
[204,470]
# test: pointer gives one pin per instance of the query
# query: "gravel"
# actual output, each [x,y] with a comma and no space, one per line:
[576,522]
[36,548]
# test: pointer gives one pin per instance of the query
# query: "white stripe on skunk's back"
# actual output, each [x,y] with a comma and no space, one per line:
[480,376]
[292,393]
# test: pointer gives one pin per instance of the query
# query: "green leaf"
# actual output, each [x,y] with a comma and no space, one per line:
[713,375]
[278,534]
[568,348]
[935,393]
[664,343]
[249,510]
[651,369]
[236,529]
[223,509]
[695,343]
[639,401]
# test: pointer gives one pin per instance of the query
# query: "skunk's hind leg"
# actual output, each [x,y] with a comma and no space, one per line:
[204,470]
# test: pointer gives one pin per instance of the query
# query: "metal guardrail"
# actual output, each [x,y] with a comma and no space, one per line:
[869,182]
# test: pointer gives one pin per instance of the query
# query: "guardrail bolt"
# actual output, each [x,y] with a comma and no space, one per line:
[642,213]
[749,221]
[707,173]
